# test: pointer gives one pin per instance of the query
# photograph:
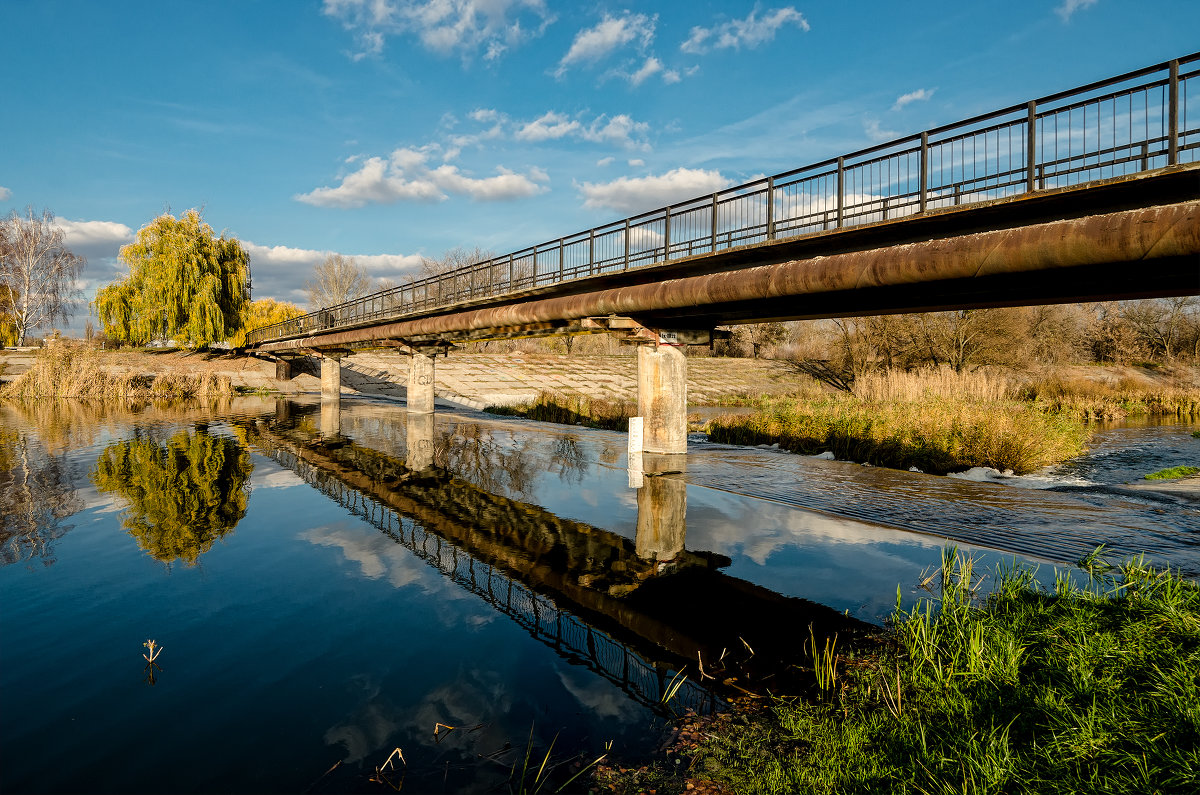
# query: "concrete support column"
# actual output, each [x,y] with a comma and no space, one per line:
[420,384]
[662,510]
[331,376]
[283,370]
[662,398]
[420,440]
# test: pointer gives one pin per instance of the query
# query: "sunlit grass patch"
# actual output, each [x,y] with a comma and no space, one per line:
[1173,473]
[938,435]
[65,370]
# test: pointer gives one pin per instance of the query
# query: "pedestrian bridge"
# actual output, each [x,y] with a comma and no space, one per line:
[1085,195]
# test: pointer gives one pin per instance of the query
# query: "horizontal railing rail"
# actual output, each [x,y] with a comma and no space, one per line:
[1134,122]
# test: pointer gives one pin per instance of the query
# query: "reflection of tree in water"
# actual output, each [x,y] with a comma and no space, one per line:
[473,453]
[568,459]
[183,494]
[36,494]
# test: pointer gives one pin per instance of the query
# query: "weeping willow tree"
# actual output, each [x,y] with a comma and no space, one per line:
[184,283]
[182,495]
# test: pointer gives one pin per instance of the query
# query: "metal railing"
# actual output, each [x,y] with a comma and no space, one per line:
[1134,122]
[569,635]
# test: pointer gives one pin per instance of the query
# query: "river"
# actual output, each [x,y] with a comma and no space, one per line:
[327,586]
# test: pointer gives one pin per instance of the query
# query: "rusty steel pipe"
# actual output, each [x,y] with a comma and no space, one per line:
[1125,236]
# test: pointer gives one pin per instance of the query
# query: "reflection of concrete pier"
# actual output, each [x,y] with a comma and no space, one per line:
[419,441]
[331,417]
[662,508]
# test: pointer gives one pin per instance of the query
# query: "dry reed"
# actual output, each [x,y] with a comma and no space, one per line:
[72,371]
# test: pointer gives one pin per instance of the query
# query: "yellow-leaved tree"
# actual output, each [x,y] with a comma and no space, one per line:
[264,312]
[184,283]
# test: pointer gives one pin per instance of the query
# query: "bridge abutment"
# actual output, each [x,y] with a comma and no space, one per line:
[662,398]
[420,383]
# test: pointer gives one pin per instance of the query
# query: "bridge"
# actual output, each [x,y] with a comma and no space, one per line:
[1085,195]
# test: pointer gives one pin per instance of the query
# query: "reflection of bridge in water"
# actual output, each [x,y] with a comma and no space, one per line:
[576,640]
[635,612]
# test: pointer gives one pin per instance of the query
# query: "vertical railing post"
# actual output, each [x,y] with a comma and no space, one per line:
[841,190]
[591,251]
[714,224]
[1173,115]
[626,244]
[924,197]
[666,234]
[770,208]
[535,267]
[512,282]
[1031,148]
[560,259]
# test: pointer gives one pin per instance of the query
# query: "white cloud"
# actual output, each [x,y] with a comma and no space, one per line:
[605,161]
[738,33]
[550,126]
[637,162]
[407,176]
[611,33]
[1069,7]
[443,26]
[875,131]
[5,193]
[620,130]
[651,67]
[95,240]
[920,95]
[635,194]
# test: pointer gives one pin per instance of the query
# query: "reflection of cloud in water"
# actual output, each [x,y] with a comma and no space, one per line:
[377,557]
[368,728]
[600,697]
[277,479]
[758,528]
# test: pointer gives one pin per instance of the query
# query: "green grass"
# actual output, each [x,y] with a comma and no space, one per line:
[1173,472]
[937,435]
[1090,686]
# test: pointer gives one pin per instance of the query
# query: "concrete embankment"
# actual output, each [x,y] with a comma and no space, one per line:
[464,379]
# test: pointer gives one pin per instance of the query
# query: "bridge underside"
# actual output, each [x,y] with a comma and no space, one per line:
[1133,237]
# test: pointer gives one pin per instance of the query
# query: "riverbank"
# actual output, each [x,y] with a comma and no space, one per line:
[1088,686]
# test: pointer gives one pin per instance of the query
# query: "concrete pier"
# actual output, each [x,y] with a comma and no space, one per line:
[283,370]
[420,384]
[331,375]
[662,398]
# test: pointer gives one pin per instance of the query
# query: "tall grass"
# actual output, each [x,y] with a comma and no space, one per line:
[73,371]
[1092,685]
[1102,400]
[936,435]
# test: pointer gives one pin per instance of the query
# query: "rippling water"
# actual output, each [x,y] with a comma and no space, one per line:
[330,586]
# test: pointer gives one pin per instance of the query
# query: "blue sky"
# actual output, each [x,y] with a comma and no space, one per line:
[392,129]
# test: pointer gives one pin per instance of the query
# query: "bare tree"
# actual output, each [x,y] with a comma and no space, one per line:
[336,280]
[37,272]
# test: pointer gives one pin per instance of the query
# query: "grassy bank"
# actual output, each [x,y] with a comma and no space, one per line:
[938,435]
[1091,687]
[75,371]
